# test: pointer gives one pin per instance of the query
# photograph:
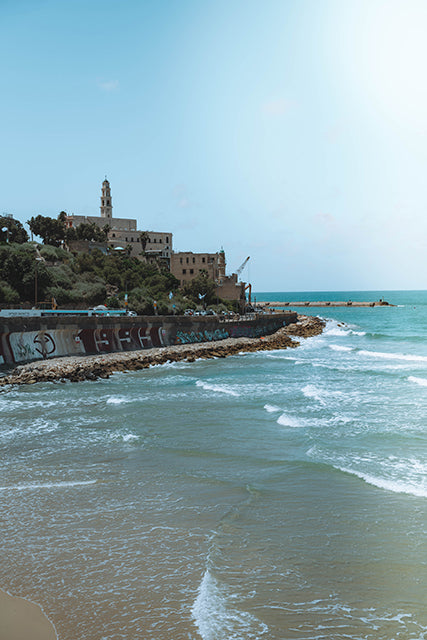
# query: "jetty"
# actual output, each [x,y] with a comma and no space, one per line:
[324,303]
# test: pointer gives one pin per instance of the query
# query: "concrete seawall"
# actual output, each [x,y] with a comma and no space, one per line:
[35,338]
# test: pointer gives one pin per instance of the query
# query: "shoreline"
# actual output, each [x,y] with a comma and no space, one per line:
[22,618]
[93,367]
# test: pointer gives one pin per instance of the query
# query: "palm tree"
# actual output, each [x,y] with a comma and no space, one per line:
[144,238]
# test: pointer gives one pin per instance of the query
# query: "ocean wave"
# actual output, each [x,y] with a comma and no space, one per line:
[271,408]
[320,395]
[393,356]
[217,388]
[421,381]
[288,421]
[395,485]
[215,618]
[117,400]
[47,485]
[128,437]
[339,347]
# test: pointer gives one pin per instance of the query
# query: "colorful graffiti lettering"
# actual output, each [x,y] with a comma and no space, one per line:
[187,337]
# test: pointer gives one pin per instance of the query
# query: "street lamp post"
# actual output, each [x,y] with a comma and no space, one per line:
[35,280]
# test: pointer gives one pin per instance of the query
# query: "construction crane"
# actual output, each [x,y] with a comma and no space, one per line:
[248,287]
[242,266]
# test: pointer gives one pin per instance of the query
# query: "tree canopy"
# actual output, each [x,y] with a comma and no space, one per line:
[12,230]
[51,231]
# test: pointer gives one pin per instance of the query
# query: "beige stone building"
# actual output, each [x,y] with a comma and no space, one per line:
[123,232]
[186,265]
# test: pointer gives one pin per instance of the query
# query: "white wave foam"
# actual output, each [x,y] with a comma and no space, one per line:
[332,329]
[128,437]
[397,486]
[393,356]
[47,485]
[288,421]
[421,381]
[114,400]
[215,618]
[271,408]
[339,347]
[217,388]
[314,393]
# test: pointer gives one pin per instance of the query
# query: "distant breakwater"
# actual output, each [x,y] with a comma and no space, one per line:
[23,339]
[77,369]
[325,303]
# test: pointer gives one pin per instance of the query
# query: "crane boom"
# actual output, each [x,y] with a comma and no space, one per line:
[242,266]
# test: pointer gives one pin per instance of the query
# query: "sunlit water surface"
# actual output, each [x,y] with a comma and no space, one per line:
[277,494]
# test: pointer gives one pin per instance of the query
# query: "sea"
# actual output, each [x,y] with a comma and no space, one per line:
[278,495]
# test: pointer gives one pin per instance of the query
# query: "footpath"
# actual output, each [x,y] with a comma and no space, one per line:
[79,368]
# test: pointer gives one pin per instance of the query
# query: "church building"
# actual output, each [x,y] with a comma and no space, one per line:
[122,233]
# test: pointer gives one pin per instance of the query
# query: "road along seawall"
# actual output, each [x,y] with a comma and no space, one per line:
[24,339]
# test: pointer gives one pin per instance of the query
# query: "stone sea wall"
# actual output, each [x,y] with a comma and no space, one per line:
[24,339]
[93,367]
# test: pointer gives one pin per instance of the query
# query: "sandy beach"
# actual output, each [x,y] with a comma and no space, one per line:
[21,619]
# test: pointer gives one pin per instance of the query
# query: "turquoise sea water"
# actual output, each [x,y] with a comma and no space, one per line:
[277,495]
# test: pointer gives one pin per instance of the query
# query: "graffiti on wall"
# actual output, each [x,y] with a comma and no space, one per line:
[188,337]
[35,345]
[20,346]
[252,331]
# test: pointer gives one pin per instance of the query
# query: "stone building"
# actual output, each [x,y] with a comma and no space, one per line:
[123,232]
[186,265]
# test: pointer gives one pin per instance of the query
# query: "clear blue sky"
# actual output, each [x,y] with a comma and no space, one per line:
[293,131]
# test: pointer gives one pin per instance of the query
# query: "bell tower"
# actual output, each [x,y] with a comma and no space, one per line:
[221,264]
[106,201]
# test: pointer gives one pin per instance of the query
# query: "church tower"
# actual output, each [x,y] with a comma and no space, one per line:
[221,264]
[106,202]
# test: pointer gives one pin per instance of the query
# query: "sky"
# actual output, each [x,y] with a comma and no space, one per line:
[290,131]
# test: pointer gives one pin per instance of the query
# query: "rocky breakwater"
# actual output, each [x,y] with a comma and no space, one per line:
[79,368]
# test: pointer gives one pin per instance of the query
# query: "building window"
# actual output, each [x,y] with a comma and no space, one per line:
[114,235]
[160,240]
[203,260]
[154,240]
[184,271]
[186,260]
[180,260]
[108,202]
[191,271]
[167,239]
[194,260]
[126,239]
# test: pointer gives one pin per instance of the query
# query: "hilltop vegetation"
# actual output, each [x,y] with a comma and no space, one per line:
[81,280]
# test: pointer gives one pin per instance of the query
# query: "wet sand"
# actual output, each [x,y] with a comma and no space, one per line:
[21,619]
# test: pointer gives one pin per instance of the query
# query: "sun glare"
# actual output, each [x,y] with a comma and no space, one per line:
[394,54]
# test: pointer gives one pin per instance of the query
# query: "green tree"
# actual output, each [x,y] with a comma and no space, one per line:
[51,231]
[91,232]
[143,239]
[11,230]
[201,289]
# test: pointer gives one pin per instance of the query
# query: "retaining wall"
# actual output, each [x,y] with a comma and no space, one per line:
[34,338]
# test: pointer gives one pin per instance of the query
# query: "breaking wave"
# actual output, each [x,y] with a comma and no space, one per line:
[217,619]
[421,381]
[217,388]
